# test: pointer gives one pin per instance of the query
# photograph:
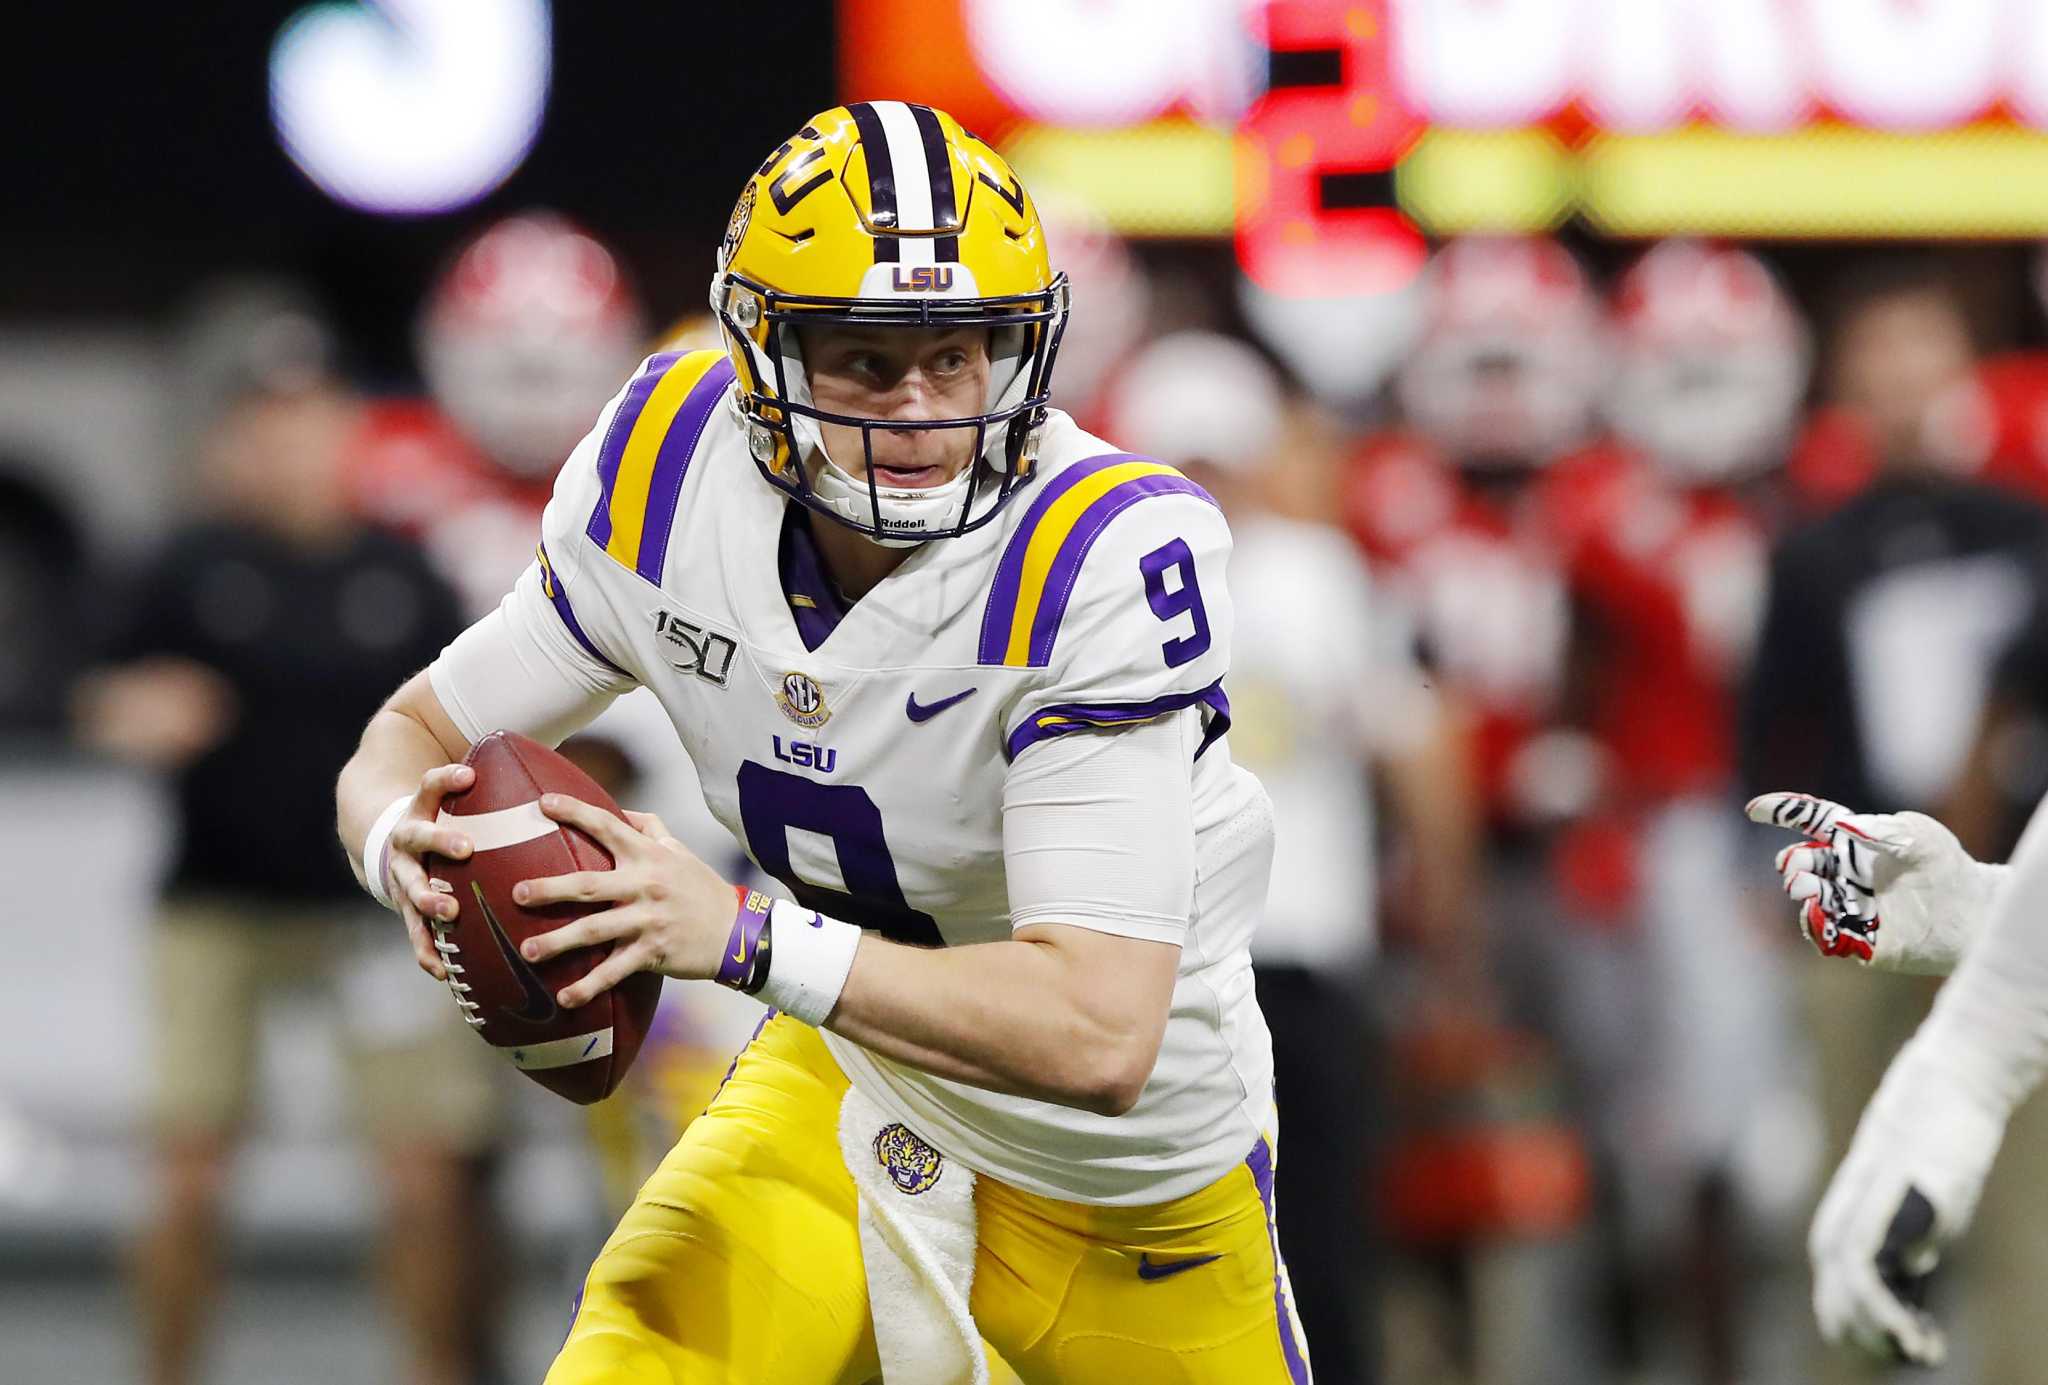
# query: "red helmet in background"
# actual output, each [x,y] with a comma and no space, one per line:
[1507,367]
[1711,362]
[1111,290]
[525,337]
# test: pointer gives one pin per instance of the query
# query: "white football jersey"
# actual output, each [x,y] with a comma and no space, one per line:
[868,775]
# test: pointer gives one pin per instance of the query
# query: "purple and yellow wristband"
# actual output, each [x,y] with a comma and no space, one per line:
[744,964]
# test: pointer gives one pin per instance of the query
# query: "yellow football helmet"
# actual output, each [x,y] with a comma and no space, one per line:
[883,213]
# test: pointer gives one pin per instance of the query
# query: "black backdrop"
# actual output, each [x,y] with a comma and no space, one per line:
[137,158]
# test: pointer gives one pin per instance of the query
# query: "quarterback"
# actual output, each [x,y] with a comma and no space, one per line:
[951,669]
[1897,891]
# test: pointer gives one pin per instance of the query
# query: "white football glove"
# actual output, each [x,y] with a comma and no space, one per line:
[1908,1186]
[1894,890]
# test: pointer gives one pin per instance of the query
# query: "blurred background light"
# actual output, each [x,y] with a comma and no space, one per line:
[406,107]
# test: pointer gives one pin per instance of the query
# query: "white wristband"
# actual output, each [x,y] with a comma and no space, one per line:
[809,956]
[375,850]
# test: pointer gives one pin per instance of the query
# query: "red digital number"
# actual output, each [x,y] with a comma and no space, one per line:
[1316,153]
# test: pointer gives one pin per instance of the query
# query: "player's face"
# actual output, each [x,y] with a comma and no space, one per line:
[1895,359]
[899,374]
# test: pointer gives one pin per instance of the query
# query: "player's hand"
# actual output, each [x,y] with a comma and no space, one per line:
[671,914]
[1895,890]
[1908,1187]
[410,885]
[162,712]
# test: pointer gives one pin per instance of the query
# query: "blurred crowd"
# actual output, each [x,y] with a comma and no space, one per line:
[1538,573]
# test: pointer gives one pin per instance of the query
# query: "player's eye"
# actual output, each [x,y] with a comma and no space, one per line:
[950,362]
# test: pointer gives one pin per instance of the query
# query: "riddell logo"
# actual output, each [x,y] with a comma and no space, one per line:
[922,279]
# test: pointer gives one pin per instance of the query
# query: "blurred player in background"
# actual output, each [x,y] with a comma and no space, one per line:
[1664,531]
[247,657]
[1500,386]
[521,340]
[1327,696]
[1883,625]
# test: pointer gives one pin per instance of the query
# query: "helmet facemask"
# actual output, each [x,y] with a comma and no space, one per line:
[784,424]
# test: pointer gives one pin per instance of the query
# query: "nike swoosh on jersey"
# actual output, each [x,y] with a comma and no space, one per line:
[1149,1269]
[925,711]
[539,1006]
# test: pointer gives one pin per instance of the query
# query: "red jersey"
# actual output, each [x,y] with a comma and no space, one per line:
[1469,564]
[1668,585]
[415,473]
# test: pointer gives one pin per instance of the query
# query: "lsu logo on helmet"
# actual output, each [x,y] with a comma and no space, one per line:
[888,214]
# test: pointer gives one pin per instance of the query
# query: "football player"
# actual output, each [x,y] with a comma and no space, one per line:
[952,670]
[1664,532]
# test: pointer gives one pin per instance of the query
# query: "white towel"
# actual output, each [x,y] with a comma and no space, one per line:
[917,1236]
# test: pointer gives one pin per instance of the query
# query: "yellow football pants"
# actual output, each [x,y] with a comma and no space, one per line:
[740,1261]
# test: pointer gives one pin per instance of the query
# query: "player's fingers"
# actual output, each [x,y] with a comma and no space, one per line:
[609,926]
[648,823]
[578,887]
[422,837]
[440,781]
[1880,833]
[611,833]
[1808,858]
[1879,1323]
[410,882]
[622,963]
[423,952]
[1800,856]
[1796,812]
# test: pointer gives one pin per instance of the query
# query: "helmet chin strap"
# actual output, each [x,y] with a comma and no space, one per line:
[915,513]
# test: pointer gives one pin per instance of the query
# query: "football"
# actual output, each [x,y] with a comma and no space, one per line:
[581,1054]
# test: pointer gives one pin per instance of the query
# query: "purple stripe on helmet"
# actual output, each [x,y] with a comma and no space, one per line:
[1260,1160]
[1087,716]
[558,595]
[1066,564]
[1002,595]
[672,463]
[613,448]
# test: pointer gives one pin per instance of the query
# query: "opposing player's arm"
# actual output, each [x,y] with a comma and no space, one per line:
[1893,890]
[1911,1180]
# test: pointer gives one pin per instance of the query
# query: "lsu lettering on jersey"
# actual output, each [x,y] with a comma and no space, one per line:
[868,775]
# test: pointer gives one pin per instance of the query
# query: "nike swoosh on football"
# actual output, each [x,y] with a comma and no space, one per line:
[540,1006]
[925,711]
[1148,1269]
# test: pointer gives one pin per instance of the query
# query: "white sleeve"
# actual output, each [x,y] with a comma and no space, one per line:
[559,648]
[519,669]
[1098,830]
[1989,1028]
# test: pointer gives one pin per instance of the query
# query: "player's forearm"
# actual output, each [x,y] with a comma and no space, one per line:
[400,744]
[1990,1023]
[1007,1016]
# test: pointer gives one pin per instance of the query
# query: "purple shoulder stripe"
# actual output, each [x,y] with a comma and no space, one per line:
[1003,592]
[558,597]
[613,448]
[1066,568]
[1068,718]
[1006,592]
[672,463]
